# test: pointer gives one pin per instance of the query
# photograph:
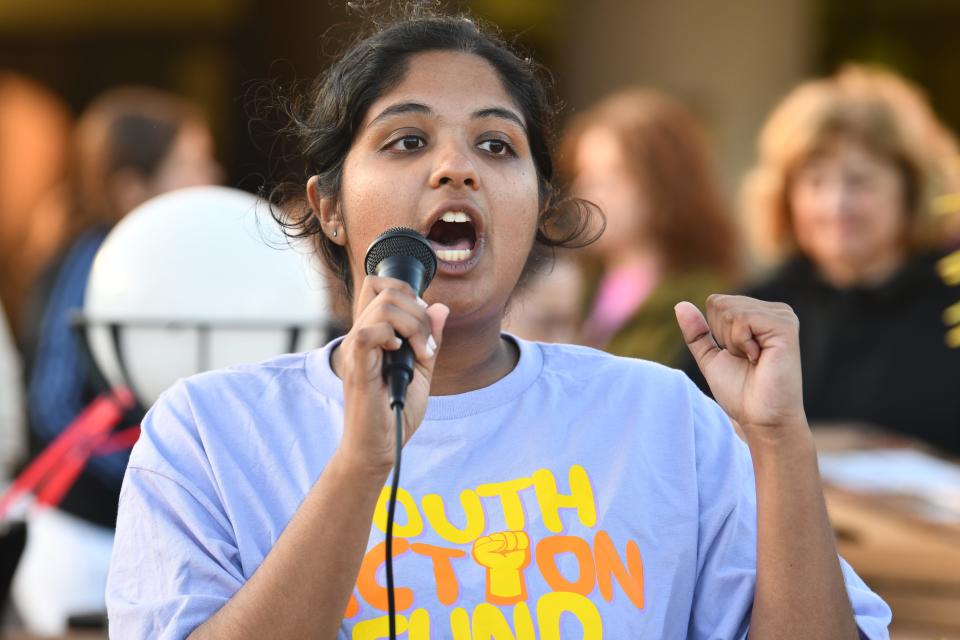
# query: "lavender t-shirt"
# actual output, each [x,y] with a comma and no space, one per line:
[581,496]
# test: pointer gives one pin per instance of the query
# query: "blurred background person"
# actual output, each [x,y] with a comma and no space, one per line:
[547,307]
[35,128]
[34,148]
[643,158]
[841,195]
[947,205]
[13,440]
[13,434]
[130,144]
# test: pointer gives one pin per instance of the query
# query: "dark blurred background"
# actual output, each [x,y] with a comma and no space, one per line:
[731,60]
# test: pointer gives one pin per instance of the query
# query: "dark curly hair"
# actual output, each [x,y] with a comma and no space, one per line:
[324,120]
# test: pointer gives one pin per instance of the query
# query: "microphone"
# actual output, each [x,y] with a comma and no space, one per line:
[406,255]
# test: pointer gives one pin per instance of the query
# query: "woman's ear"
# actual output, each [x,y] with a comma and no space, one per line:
[546,201]
[544,213]
[327,211]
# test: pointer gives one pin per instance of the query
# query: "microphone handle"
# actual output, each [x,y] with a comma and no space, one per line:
[398,365]
[398,372]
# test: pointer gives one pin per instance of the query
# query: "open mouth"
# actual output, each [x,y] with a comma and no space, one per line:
[453,237]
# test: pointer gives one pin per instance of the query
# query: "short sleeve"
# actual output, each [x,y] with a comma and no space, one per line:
[175,560]
[873,615]
[727,540]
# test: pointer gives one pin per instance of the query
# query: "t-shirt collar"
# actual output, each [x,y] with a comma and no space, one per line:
[321,376]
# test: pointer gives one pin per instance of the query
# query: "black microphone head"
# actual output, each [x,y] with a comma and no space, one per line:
[401,241]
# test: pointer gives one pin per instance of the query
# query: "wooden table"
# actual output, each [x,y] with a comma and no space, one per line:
[913,563]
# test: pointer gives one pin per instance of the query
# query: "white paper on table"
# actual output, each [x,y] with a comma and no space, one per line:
[898,471]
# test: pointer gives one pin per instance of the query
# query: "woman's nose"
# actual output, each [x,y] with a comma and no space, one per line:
[836,196]
[455,168]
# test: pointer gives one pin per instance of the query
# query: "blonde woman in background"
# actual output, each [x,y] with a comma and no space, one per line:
[841,197]
[644,159]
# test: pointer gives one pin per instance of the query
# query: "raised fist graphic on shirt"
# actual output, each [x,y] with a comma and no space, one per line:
[505,555]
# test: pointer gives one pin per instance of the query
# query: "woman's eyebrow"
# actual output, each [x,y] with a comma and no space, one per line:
[417,107]
[500,112]
[399,109]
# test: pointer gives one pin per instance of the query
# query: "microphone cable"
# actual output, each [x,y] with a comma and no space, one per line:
[403,254]
[391,510]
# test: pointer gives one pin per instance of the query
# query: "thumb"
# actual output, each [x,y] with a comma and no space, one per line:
[438,313]
[696,333]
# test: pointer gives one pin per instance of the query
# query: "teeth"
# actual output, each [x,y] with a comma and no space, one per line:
[455,216]
[455,255]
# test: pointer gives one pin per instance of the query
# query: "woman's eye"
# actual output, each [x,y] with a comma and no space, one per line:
[496,147]
[810,179]
[406,143]
[859,180]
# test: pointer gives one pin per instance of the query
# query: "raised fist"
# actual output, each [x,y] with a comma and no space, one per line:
[505,554]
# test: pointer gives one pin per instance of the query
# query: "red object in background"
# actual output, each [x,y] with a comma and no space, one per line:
[53,472]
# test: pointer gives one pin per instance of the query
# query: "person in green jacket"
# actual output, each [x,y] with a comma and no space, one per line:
[644,160]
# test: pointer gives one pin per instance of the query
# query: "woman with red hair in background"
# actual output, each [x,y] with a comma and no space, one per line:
[644,159]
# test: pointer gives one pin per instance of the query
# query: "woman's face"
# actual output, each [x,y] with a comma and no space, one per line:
[189,162]
[848,208]
[445,152]
[603,176]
